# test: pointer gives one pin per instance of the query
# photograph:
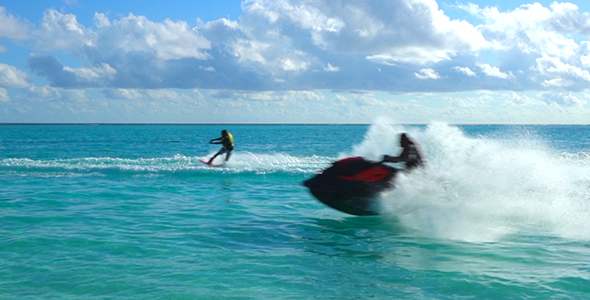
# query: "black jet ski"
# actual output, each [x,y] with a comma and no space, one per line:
[351,185]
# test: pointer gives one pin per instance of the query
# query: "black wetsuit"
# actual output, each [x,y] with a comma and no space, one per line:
[227,140]
[410,155]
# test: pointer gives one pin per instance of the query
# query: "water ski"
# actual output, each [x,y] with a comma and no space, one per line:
[207,163]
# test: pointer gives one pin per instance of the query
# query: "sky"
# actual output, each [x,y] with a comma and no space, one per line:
[295,61]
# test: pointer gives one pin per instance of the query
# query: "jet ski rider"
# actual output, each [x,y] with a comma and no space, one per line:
[410,154]
[227,140]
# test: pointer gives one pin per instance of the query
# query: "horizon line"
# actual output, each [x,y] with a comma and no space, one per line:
[285,124]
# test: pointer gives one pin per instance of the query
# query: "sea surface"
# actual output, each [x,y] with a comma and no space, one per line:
[129,212]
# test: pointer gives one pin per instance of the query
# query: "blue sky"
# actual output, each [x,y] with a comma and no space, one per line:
[294,61]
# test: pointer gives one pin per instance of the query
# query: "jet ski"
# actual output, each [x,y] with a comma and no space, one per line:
[351,185]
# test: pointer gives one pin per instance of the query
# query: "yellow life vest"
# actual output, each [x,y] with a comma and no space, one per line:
[231,141]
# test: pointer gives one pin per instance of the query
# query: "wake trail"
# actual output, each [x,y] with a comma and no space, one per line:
[239,162]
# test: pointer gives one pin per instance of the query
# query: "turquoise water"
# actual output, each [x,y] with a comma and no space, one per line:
[128,212]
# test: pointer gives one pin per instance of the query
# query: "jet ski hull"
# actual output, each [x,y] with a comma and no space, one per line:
[352,185]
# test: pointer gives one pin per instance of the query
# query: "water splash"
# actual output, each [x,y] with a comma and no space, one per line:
[264,163]
[485,188]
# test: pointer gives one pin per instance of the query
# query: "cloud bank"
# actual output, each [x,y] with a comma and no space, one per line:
[287,47]
[308,45]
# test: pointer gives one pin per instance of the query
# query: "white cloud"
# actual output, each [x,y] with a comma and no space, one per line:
[512,98]
[4,95]
[150,94]
[534,28]
[196,94]
[47,93]
[286,44]
[101,20]
[250,51]
[12,77]
[167,40]
[557,82]
[552,72]
[310,18]
[381,29]
[289,64]
[427,74]
[563,99]
[163,94]
[465,70]
[130,94]
[495,72]
[480,100]
[546,45]
[294,96]
[62,32]
[102,72]
[459,102]
[331,68]
[208,69]
[11,27]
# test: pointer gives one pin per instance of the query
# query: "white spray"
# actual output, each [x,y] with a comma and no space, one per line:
[482,189]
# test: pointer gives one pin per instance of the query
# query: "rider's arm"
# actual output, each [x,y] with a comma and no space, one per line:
[393,159]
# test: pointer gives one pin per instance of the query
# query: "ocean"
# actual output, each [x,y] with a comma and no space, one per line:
[129,212]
